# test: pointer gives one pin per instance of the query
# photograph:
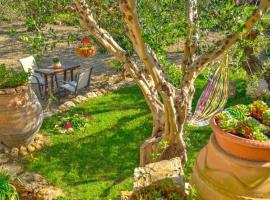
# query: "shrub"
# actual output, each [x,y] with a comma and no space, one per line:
[7,191]
[11,79]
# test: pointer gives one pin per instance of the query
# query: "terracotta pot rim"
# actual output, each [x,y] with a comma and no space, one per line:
[236,139]
[15,90]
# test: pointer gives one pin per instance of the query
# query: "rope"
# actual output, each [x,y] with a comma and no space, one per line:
[214,96]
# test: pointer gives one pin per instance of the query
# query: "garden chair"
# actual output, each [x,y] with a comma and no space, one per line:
[29,65]
[82,80]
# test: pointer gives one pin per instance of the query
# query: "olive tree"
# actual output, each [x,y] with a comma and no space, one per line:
[170,105]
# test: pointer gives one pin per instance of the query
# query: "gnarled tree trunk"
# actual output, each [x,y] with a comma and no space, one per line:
[169,105]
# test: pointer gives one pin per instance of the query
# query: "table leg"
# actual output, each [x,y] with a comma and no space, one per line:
[52,84]
[65,75]
[71,75]
[46,84]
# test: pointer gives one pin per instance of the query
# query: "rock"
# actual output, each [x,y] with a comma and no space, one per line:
[114,87]
[165,175]
[62,108]
[11,91]
[125,195]
[6,150]
[103,91]
[91,95]
[62,130]
[48,114]
[82,98]
[23,151]
[19,89]
[39,137]
[37,146]
[14,152]
[2,92]
[232,89]
[155,173]
[79,99]
[49,193]
[2,148]
[4,158]
[98,93]
[258,89]
[66,106]
[31,148]
[70,130]
[34,186]
[13,169]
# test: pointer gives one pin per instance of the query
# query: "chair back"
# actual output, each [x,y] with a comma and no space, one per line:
[84,78]
[29,64]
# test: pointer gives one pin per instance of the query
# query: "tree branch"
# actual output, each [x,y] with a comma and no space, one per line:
[147,56]
[193,37]
[103,37]
[200,63]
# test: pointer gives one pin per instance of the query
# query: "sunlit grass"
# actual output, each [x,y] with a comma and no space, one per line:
[98,162]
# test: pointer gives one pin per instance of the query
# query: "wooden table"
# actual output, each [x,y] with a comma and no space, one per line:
[51,72]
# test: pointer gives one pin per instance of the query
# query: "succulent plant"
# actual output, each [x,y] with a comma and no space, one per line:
[260,136]
[246,121]
[257,109]
[244,130]
[266,115]
[227,123]
[239,112]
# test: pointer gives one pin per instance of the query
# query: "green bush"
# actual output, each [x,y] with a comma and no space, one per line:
[11,79]
[7,191]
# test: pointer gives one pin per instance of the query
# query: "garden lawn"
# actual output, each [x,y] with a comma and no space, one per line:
[98,162]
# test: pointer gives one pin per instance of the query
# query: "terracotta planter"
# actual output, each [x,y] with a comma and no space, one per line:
[57,65]
[241,147]
[86,51]
[20,116]
[220,176]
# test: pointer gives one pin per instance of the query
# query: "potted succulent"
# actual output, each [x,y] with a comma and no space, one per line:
[20,111]
[85,48]
[239,131]
[56,62]
[257,109]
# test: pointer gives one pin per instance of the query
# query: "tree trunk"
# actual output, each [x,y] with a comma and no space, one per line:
[253,64]
[169,105]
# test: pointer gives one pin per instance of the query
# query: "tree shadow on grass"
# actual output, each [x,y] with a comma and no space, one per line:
[108,154]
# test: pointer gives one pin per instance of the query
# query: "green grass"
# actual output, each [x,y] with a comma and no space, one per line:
[98,163]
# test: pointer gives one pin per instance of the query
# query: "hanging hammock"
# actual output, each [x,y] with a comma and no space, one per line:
[214,96]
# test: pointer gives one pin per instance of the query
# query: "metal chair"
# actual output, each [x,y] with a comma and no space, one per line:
[82,80]
[29,65]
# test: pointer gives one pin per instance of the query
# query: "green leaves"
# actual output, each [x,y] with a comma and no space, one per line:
[11,79]
[7,192]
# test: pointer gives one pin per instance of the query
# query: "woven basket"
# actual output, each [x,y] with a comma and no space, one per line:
[86,51]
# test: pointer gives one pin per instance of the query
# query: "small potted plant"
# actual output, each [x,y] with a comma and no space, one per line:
[257,108]
[56,62]
[85,48]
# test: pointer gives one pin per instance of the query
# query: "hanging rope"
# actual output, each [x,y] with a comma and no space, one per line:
[214,96]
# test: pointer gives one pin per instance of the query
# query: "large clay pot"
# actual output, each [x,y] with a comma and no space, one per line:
[20,116]
[241,147]
[220,176]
